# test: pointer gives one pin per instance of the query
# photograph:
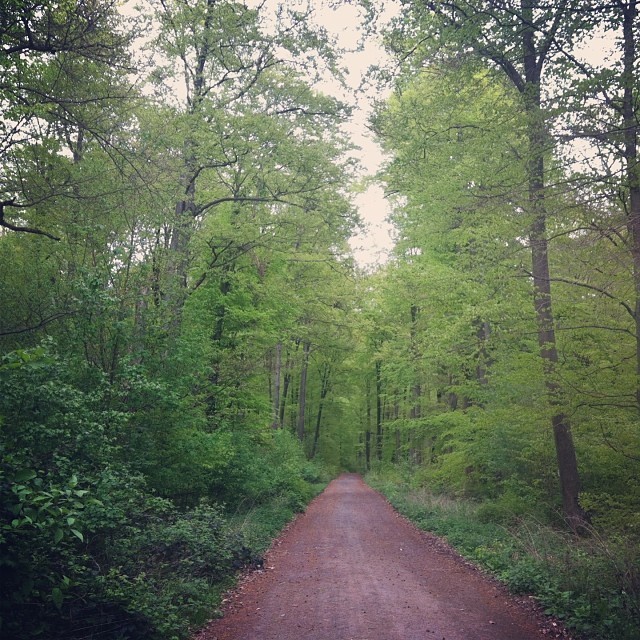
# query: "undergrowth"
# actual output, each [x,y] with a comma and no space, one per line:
[260,524]
[90,549]
[591,583]
[157,574]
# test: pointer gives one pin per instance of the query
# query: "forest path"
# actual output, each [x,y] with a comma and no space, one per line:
[351,568]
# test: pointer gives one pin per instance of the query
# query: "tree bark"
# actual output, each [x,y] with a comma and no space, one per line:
[416,388]
[378,410]
[482,368]
[287,384]
[367,434]
[302,397]
[324,390]
[542,299]
[276,387]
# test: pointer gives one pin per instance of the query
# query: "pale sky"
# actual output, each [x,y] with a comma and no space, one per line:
[346,23]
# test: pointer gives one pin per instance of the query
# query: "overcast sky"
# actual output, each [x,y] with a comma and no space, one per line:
[346,23]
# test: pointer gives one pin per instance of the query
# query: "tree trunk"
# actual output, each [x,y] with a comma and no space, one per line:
[378,410]
[285,390]
[367,434]
[482,368]
[542,300]
[416,388]
[302,397]
[324,389]
[287,384]
[276,387]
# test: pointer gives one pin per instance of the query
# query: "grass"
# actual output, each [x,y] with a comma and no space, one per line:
[259,525]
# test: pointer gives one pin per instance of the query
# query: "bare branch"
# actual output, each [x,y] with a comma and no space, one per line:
[40,325]
[23,229]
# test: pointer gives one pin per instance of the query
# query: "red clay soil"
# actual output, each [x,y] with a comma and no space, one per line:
[351,568]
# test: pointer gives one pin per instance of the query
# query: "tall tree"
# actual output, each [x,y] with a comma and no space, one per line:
[522,38]
[603,110]
[48,50]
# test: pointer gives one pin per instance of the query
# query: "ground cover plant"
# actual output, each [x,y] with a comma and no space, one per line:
[591,583]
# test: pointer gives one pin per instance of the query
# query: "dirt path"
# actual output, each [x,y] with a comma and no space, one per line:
[351,569]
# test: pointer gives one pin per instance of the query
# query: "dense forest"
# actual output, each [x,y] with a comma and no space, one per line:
[189,350]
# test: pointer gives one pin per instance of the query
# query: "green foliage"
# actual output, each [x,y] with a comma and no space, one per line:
[203,256]
[274,470]
[86,543]
[592,584]
[169,568]
[136,380]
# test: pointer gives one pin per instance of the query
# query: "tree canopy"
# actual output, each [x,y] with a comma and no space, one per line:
[188,344]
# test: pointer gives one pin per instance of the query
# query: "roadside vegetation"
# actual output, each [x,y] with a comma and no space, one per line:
[89,549]
[591,583]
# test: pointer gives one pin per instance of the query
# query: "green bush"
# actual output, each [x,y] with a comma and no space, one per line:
[87,549]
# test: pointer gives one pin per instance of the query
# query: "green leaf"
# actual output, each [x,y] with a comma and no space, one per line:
[78,534]
[57,536]
[57,597]
[24,474]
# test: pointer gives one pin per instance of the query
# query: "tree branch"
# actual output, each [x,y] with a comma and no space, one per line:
[22,229]
[40,325]
[592,287]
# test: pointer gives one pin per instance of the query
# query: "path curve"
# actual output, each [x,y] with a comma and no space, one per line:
[351,568]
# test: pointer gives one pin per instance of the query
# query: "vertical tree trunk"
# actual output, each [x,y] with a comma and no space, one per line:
[565,449]
[378,410]
[285,390]
[276,387]
[416,389]
[287,383]
[451,396]
[367,433]
[302,401]
[484,333]
[185,209]
[181,234]
[324,389]
[217,338]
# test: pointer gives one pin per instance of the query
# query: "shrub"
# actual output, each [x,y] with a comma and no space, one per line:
[86,547]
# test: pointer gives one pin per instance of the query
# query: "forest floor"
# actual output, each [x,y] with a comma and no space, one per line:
[351,568]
